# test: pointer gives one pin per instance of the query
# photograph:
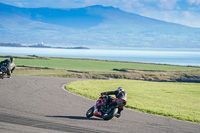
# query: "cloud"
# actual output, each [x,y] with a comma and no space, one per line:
[19,4]
[187,18]
[168,4]
[197,2]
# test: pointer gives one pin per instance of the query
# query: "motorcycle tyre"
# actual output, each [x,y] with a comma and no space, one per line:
[2,76]
[89,113]
[111,114]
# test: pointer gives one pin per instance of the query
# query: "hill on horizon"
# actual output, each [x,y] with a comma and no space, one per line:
[94,26]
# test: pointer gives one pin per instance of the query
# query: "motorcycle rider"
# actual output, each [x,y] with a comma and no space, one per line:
[10,65]
[119,93]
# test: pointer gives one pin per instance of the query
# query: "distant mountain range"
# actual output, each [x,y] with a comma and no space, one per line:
[94,26]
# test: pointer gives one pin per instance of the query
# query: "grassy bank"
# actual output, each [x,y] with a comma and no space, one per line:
[175,100]
[101,69]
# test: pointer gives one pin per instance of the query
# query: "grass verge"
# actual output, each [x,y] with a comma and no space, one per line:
[102,69]
[175,100]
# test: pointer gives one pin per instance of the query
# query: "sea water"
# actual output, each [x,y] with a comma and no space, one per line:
[184,57]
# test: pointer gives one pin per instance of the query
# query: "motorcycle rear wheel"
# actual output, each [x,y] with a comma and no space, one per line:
[111,114]
[89,113]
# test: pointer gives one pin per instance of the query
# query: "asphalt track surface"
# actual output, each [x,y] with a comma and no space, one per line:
[40,105]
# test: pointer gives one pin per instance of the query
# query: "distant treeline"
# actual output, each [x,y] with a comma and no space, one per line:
[38,46]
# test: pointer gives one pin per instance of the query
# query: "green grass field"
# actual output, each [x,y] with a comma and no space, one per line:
[175,100]
[93,65]
[101,69]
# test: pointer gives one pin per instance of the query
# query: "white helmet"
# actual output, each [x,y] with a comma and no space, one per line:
[120,89]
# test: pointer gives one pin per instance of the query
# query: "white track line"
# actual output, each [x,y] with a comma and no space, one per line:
[63,87]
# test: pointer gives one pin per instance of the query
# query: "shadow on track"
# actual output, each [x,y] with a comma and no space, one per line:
[75,117]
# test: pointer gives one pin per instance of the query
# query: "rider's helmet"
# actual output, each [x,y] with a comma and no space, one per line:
[12,59]
[120,89]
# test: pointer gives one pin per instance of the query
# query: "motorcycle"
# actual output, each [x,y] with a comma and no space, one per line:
[105,110]
[3,71]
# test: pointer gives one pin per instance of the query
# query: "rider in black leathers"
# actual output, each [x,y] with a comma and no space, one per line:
[10,65]
[119,93]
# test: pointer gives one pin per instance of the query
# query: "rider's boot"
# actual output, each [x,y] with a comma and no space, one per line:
[118,113]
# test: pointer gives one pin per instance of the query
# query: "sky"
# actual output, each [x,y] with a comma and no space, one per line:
[185,12]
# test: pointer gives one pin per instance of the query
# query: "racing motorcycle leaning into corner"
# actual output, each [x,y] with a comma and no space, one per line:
[107,107]
[7,67]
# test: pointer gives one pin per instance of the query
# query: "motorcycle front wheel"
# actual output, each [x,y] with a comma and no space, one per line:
[111,114]
[89,113]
